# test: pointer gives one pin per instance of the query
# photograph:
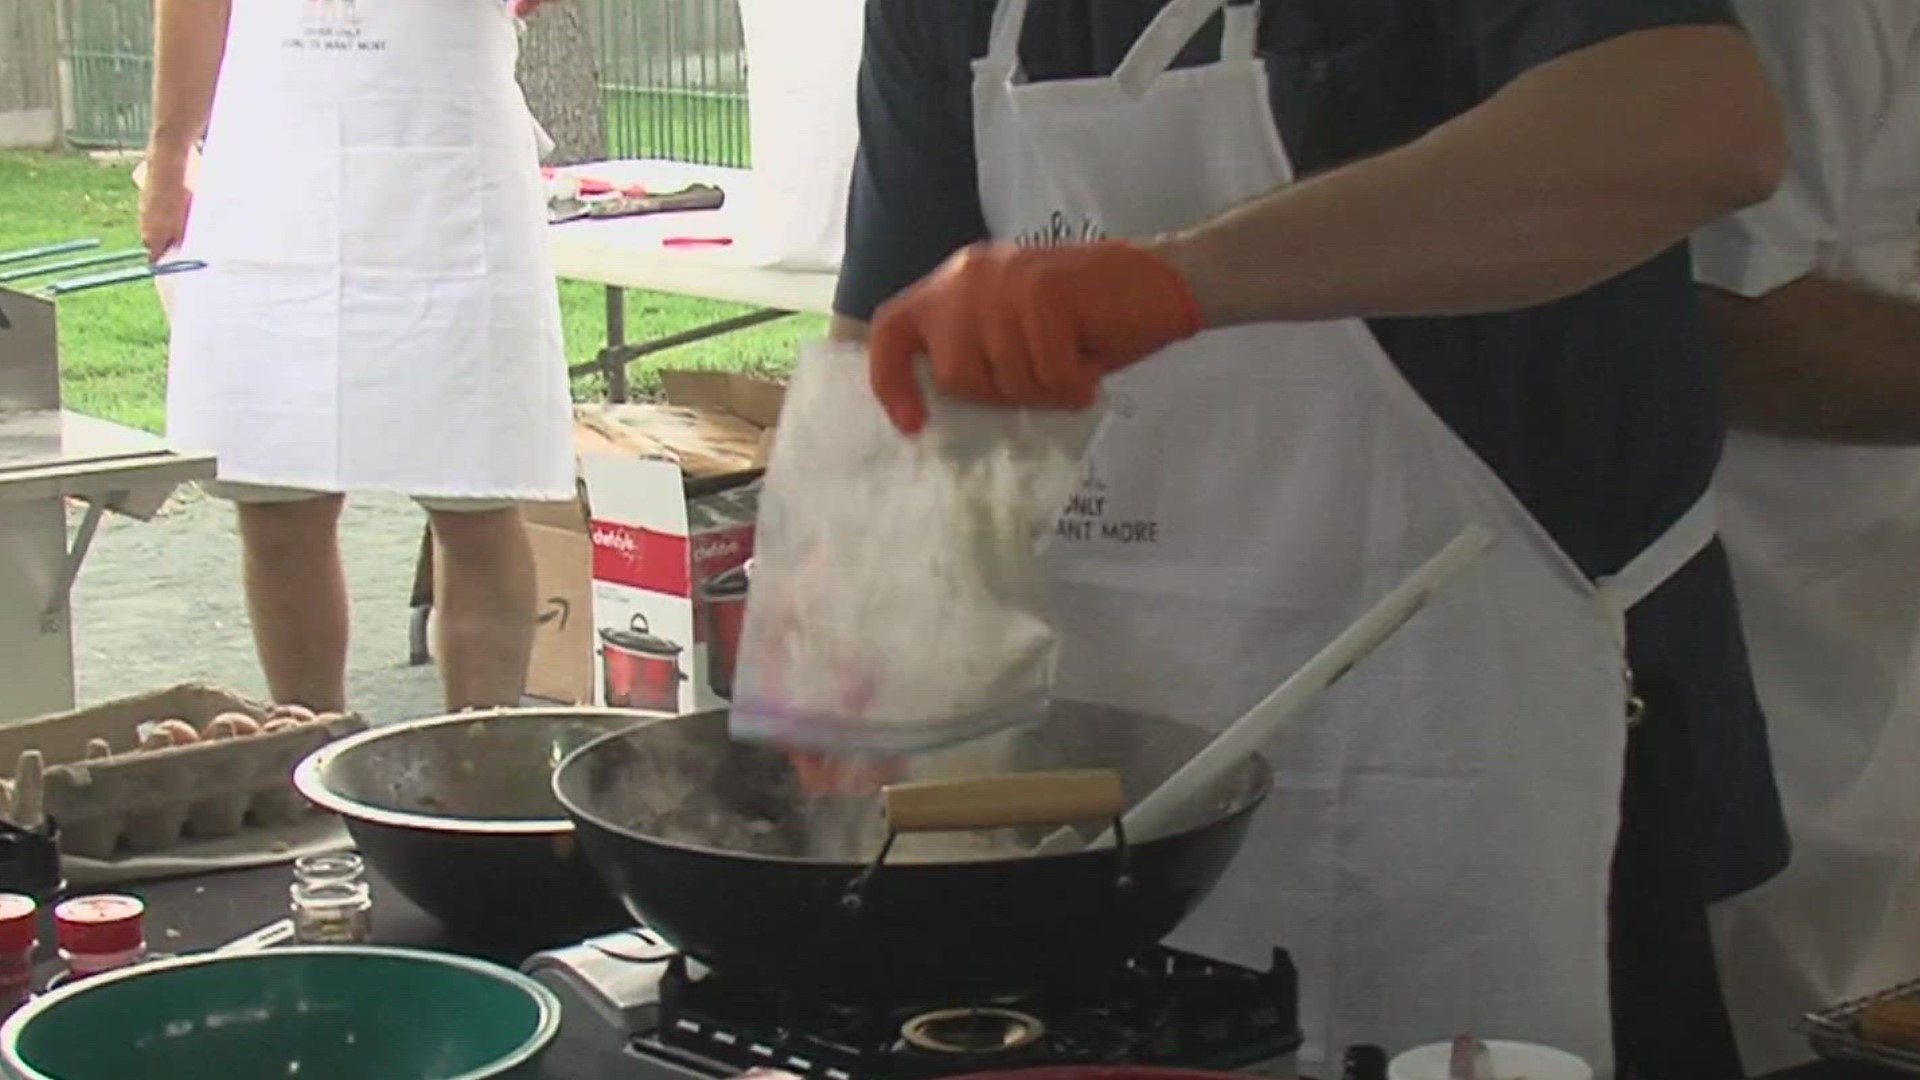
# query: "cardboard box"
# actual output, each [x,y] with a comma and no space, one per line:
[562,668]
[672,494]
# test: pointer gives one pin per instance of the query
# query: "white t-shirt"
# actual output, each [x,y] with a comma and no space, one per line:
[1849,74]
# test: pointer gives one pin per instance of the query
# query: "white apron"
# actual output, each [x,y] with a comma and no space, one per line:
[1825,546]
[1435,854]
[379,311]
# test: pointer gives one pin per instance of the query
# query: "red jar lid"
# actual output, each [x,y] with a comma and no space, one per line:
[19,925]
[100,924]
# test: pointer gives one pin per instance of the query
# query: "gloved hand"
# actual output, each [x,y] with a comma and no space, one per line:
[1011,325]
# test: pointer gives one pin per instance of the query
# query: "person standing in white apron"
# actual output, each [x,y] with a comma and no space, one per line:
[1438,850]
[1816,299]
[379,312]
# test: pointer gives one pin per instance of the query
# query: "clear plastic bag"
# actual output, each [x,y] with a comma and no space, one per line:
[897,604]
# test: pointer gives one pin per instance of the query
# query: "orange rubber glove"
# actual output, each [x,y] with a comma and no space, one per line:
[1011,325]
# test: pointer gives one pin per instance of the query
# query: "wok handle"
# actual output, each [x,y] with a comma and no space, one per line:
[1006,801]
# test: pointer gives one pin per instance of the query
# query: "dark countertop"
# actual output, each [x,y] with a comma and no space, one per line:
[195,913]
[204,912]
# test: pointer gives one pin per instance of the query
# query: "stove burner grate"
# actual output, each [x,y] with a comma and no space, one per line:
[972,1031]
[1165,1008]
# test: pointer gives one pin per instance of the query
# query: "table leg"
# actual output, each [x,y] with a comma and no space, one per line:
[60,602]
[36,644]
[610,360]
[420,604]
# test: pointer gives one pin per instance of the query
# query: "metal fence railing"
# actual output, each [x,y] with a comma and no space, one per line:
[673,76]
[109,46]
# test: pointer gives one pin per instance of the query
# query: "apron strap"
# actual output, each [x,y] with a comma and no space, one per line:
[1170,32]
[1660,560]
[1240,38]
[1003,46]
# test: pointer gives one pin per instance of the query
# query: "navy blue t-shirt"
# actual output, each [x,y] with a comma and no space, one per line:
[1601,412]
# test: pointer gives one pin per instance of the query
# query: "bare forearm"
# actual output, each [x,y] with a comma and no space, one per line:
[1821,360]
[189,41]
[1576,172]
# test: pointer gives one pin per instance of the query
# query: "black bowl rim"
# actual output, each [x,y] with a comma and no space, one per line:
[546,1029]
[310,776]
[580,815]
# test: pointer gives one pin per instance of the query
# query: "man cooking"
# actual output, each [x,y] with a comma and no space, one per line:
[378,312]
[1815,298]
[1500,189]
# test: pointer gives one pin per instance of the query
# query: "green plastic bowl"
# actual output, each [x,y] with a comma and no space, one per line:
[326,1013]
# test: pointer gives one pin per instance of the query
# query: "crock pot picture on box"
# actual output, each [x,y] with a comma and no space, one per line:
[640,669]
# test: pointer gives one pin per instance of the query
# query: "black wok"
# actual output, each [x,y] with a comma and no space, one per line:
[710,843]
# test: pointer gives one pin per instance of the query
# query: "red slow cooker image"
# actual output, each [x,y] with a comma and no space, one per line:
[725,598]
[641,670]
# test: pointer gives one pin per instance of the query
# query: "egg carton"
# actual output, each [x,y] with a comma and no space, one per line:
[117,797]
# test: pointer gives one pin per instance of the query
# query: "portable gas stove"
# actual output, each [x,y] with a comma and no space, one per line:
[634,1009]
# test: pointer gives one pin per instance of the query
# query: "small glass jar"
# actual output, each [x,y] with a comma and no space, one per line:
[19,937]
[330,900]
[97,934]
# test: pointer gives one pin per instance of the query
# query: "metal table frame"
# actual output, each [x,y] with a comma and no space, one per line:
[133,475]
[612,359]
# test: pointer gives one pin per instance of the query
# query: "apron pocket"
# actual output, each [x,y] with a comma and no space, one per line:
[412,212]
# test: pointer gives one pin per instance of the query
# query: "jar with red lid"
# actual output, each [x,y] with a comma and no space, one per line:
[19,936]
[98,934]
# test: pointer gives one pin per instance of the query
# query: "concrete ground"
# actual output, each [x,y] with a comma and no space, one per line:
[159,603]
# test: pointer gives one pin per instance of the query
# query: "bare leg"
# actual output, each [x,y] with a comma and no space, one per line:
[297,599]
[483,571]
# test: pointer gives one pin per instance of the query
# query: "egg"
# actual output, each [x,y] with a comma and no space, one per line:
[232,724]
[178,732]
[284,723]
[99,749]
[329,717]
[298,713]
[156,740]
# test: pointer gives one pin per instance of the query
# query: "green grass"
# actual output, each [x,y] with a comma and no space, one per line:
[113,341]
